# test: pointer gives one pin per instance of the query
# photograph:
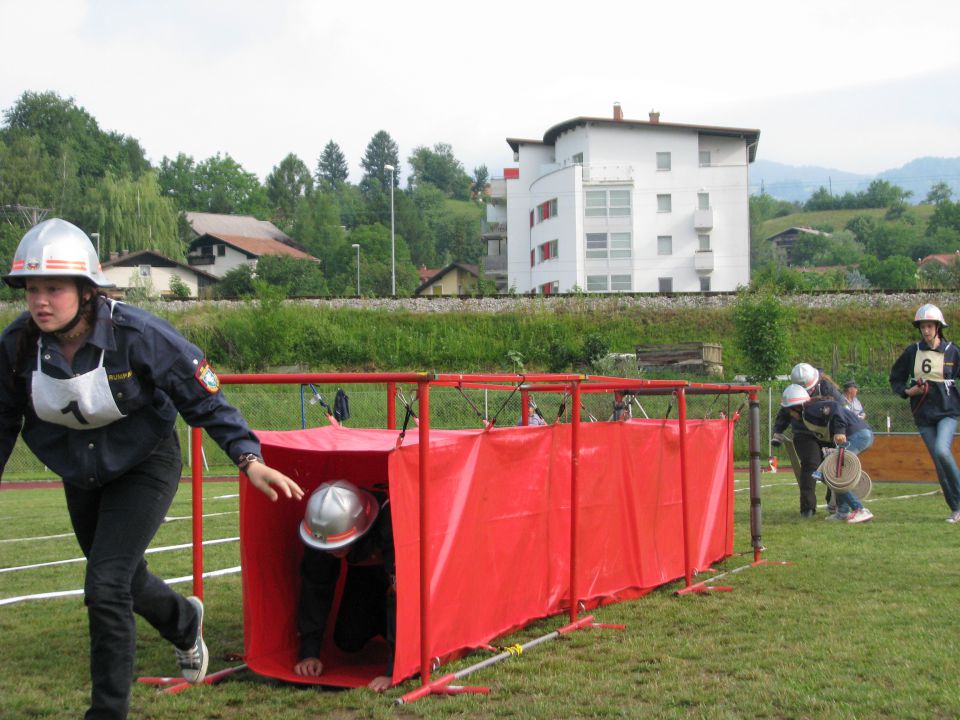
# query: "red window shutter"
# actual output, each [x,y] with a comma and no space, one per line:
[546,210]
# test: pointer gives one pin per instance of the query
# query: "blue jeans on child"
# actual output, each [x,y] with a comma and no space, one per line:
[856,444]
[939,439]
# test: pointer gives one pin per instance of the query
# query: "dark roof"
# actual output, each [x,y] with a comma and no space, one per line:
[154,259]
[797,231]
[470,269]
[235,225]
[750,136]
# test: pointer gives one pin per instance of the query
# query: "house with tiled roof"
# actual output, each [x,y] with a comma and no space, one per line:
[150,271]
[453,279]
[225,242]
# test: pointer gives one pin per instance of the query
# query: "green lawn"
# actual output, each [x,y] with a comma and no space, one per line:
[860,625]
[837,218]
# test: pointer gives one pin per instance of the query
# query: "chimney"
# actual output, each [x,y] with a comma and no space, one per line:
[617,112]
[654,117]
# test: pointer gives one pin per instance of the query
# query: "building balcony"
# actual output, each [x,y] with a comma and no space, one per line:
[200,259]
[488,228]
[703,261]
[498,189]
[607,173]
[493,264]
[703,219]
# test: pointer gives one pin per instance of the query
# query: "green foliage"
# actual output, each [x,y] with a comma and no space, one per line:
[332,170]
[939,192]
[287,184]
[441,169]
[560,356]
[294,277]
[895,272]
[132,215]
[762,333]
[217,185]
[237,283]
[381,151]
[178,288]
[840,248]
[595,348]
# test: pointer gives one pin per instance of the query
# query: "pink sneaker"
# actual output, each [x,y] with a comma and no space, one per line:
[860,516]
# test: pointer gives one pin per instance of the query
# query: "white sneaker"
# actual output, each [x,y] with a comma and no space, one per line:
[193,661]
[860,516]
[954,517]
[837,516]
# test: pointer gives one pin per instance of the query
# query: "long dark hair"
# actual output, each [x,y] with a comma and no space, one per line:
[27,341]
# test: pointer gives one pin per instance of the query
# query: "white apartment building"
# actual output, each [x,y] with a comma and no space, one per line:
[614,205]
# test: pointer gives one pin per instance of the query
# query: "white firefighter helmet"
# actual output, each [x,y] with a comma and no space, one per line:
[929,313]
[338,513]
[805,374]
[794,395]
[55,248]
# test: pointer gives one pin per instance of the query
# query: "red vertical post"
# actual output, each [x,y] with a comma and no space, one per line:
[196,480]
[684,495]
[524,407]
[391,406]
[574,495]
[426,566]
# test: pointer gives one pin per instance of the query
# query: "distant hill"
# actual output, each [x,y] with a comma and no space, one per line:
[798,183]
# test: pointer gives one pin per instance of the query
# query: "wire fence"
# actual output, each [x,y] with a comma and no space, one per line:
[289,407]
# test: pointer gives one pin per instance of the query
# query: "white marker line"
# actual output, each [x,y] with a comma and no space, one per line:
[68,593]
[150,551]
[767,486]
[166,520]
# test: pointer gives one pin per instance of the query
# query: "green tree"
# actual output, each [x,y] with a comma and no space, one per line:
[297,277]
[946,216]
[439,168]
[132,215]
[938,193]
[381,151]
[219,184]
[287,185]
[332,168]
[894,273]
[761,326]
[481,176]
[237,283]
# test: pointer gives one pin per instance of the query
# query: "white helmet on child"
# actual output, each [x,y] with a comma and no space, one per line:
[55,248]
[929,313]
[805,374]
[338,514]
[794,395]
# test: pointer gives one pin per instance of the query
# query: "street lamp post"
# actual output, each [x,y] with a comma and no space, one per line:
[356,247]
[393,236]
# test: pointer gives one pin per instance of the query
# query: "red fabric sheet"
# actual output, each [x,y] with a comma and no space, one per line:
[500,528]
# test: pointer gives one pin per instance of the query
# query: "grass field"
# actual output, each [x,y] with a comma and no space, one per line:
[861,625]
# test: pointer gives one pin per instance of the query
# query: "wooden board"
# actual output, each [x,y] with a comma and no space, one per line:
[900,457]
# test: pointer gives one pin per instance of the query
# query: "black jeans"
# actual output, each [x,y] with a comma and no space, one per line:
[114,525]
[808,450]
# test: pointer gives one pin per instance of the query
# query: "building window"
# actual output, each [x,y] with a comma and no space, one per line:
[596,245]
[704,158]
[665,284]
[664,203]
[619,203]
[704,241]
[614,246]
[550,288]
[603,203]
[597,283]
[221,250]
[620,246]
[663,161]
[577,159]
[437,289]
[546,210]
[621,283]
[664,245]
[206,250]
[547,250]
[531,218]
[705,284]
[533,258]
[703,201]
[144,271]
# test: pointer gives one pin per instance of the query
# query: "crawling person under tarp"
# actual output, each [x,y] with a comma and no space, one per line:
[344,522]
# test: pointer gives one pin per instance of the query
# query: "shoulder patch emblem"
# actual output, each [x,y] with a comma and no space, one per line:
[826,410]
[207,377]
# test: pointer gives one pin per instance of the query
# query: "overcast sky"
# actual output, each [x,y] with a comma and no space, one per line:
[861,86]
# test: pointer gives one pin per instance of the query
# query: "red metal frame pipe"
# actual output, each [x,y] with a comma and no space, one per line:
[684,495]
[391,406]
[426,566]
[574,495]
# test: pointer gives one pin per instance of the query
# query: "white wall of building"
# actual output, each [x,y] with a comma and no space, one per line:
[625,158]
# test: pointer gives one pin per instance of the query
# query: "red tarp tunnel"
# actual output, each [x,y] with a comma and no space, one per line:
[500,541]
